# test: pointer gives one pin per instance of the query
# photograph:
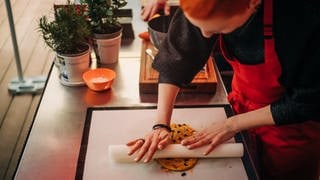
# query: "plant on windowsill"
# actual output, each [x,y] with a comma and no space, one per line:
[67,34]
[105,28]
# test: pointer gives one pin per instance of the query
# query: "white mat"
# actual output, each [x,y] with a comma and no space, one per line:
[110,127]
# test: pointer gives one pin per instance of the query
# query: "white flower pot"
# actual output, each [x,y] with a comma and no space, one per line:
[72,67]
[108,49]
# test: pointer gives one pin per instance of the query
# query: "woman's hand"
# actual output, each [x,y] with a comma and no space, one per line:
[160,136]
[214,135]
[152,7]
[220,132]
[155,140]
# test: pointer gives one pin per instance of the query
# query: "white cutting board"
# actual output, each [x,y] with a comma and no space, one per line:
[109,127]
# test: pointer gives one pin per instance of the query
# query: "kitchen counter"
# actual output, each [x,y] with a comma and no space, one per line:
[53,145]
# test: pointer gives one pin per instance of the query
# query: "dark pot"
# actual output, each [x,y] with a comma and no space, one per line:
[158,28]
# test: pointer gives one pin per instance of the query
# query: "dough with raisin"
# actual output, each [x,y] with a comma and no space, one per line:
[178,133]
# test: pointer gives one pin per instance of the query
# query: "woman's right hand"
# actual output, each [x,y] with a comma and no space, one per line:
[152,7]
[155,140]
[160,136]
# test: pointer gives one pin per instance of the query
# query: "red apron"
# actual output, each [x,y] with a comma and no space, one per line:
[285,152]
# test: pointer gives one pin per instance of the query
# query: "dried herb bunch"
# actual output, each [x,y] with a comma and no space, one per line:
[69,31]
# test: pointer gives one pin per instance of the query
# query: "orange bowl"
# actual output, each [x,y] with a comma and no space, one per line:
[99,79]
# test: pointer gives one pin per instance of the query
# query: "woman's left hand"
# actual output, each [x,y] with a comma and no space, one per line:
[214,135]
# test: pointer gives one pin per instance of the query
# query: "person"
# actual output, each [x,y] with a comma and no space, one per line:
[273,48]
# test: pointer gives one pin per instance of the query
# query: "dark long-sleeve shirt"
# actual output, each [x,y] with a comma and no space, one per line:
[297,43]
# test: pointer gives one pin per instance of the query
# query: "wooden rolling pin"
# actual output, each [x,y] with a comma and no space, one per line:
[119,153]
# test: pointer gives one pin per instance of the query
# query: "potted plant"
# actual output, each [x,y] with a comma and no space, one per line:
[105,27]
[67,34]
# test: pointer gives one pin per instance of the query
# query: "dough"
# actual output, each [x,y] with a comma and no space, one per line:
[178,133]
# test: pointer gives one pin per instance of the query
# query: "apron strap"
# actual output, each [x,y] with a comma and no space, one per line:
[268,18]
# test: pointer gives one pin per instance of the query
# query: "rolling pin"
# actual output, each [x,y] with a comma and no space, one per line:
[119,153]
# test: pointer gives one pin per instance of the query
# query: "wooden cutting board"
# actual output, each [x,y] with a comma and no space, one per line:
[204,82]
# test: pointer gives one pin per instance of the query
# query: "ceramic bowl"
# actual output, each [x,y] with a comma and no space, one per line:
[158,28]
[99,79]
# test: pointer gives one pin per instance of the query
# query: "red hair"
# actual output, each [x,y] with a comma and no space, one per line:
[201,9]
